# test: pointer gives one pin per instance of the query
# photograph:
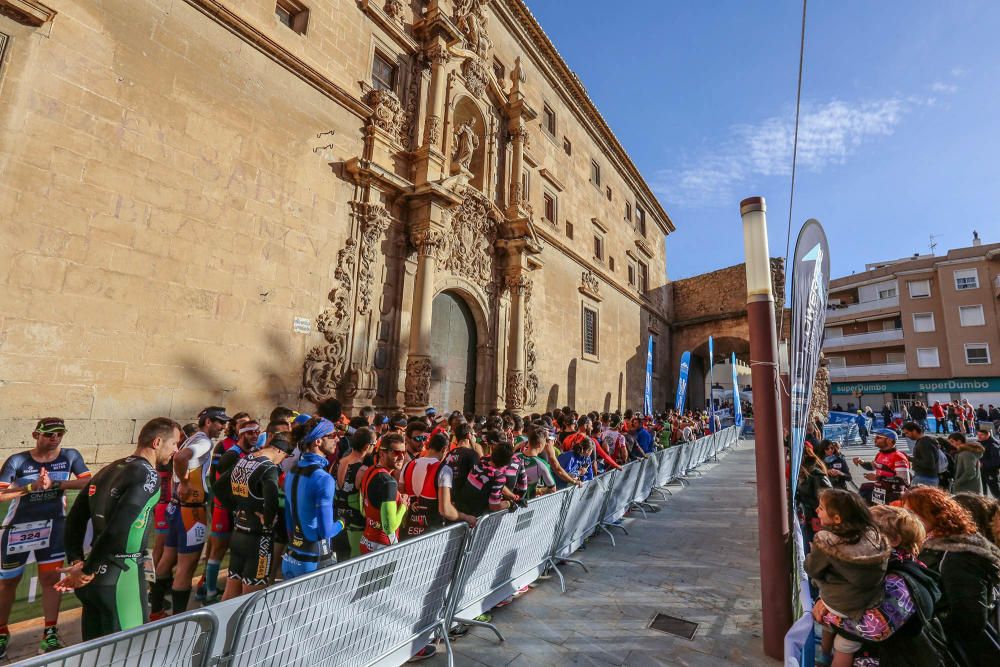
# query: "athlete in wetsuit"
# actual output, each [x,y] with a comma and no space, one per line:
[110,581]
[34,482]
[382,506]
[250,490]
[347,497]
[309,494]
[186,516]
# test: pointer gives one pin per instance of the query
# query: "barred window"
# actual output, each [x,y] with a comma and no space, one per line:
[589,331]
[383,73]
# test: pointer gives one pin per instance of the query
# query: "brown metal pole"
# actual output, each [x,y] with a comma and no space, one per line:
[772,499]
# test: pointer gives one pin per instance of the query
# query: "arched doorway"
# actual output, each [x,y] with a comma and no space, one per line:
[453,354]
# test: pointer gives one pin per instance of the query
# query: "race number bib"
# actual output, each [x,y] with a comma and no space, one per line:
[24,537]
[878,495]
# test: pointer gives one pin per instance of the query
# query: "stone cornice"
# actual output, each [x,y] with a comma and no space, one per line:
[236,24]
[537,42]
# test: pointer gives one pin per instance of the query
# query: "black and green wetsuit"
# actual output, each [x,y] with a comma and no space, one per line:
[118,502]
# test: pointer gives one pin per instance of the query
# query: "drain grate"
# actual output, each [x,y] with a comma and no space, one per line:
[673,626]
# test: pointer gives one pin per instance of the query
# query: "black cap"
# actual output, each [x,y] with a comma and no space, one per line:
[282,442]
[218,414]
[49,425]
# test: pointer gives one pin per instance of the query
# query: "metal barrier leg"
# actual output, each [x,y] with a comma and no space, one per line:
[662,490]
[481,624]
[554,566]
[602,527]
[447,642]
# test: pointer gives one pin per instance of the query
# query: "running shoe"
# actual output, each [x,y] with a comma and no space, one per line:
[4,640]
[426,652]
[211,598]
[505,602]
[458,631]
[50,641]
[157,615]
[521,591]
[201,592]
[484,618]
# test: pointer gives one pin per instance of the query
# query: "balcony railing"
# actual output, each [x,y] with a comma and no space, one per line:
[863,307]
[870,370]
[863,339]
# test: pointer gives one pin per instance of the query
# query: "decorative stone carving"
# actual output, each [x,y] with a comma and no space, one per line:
[589,282]
[387,111]
[516,78]
[530,354]
[394,9]
[471,20]
[374,220]
[477,76]
[323,368]
[409,116]
[434,130]
[520,133]
[466,143]
[438,55]
[418,381]
[517,284]
[473,232]
[515,390]
[428,241]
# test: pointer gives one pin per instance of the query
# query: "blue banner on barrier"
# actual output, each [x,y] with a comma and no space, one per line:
[682,382]
[647,403]
[737,406]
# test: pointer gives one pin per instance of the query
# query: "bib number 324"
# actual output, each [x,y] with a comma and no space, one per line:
[29,536]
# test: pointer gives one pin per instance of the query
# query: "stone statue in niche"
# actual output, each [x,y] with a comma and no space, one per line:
[471,20]
[466,143]
[516,77]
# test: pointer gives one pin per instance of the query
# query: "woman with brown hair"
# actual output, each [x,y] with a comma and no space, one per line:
[969,566]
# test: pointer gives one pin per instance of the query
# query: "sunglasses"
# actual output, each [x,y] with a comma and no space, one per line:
[419,438]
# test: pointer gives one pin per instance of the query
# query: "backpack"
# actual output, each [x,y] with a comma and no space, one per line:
[944,462]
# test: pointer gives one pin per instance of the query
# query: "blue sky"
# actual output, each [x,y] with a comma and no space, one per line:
[900,131]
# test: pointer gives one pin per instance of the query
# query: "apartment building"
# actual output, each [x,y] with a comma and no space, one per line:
[922,328]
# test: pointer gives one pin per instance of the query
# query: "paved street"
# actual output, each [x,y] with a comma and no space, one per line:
[695,559]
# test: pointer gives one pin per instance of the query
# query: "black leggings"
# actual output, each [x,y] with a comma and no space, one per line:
[114,601]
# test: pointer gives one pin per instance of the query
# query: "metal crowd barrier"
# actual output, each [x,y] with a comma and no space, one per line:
[178,641]
[384,607]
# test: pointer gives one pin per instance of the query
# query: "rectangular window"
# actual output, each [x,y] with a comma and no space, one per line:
[498,71]
[599,247]
[640,220]
[631,274]
[567,146]
[919,289]
[977,354]
[293,14]
[895,357]
[923,322]
[927,357]
[383,73]
[971,316]
[569,229]
[525,185]
[887,293]
[549,119]
[628,211]
[966,279]
[643,277]
[589,331]
[595,173]
[611,263]
[837,362]
[549,206]
[608,191]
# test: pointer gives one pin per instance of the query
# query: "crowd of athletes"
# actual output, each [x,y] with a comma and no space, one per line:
[228,505]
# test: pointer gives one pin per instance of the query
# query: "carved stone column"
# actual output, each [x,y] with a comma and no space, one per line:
[515,382]
[518,135]
[438,56]
[418,363]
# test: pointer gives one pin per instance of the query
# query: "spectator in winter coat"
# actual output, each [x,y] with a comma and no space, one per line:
[969,566]
[990,463]
[925,455]
[967,455]
[836,465]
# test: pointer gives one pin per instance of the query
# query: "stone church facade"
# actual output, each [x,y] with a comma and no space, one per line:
[397,204]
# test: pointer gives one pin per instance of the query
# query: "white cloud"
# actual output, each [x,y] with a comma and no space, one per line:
[828,134]
[942,87]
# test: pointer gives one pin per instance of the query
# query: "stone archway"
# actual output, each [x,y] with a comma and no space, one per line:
[454,344]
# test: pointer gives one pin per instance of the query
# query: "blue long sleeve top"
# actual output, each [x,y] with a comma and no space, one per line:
[314,501]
